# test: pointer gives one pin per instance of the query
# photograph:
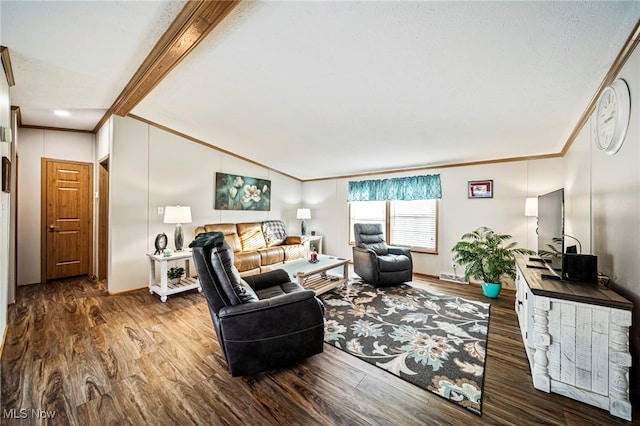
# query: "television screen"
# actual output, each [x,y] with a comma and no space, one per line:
[551,228]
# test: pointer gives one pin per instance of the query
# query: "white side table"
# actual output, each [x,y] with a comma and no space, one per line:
[164,288]
[315,241]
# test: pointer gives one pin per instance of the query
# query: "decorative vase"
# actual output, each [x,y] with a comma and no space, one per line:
[174,281]
[491,290]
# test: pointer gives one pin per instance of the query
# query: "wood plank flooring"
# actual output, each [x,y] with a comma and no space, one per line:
[87,358]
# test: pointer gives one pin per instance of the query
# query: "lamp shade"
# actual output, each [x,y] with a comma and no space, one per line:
[177,214]
[531,207]
[303,214]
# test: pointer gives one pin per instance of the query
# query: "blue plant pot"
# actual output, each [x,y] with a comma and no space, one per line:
[491,290]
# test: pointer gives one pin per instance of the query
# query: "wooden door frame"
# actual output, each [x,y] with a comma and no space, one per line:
[15,231]
[103,219]
[43,214]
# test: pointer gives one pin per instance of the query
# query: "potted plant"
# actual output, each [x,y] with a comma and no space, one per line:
[174,274]
[485,257]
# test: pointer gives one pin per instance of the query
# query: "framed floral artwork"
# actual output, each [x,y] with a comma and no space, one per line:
[480,189]
[235,192]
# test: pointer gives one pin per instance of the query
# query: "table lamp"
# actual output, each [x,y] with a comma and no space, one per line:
[531,207]
[303,214]
[177,215]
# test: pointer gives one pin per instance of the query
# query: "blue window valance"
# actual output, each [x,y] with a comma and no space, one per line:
[405,188]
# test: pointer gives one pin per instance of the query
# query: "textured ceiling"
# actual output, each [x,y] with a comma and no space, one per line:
[322,89]
[77,55]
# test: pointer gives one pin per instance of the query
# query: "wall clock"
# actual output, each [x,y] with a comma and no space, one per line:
[612,117]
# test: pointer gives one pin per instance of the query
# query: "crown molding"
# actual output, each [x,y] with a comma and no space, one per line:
[623,56]
[439,166]
[29,126]
[205,144]
[6,64]
[58,129]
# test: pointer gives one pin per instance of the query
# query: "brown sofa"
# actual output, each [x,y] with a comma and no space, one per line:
[258,245]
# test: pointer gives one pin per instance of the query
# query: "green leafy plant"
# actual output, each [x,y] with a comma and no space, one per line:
[485,257]
[175,272]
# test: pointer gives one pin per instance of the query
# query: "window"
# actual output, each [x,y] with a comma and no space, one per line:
[413,224]
[405,223]
[366,212]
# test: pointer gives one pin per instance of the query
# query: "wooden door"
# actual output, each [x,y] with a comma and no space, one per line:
[68,218]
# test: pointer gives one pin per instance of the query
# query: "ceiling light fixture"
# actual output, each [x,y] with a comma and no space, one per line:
[61,113]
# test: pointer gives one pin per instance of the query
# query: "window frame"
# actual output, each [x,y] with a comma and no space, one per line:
[387,227]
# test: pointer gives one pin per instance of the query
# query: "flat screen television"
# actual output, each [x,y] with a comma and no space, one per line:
[551,228]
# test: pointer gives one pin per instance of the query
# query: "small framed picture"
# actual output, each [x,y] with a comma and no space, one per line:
[480,189]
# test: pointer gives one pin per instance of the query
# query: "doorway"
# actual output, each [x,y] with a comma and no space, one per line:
[67,219]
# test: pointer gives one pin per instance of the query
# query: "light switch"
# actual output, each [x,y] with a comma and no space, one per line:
[160,210]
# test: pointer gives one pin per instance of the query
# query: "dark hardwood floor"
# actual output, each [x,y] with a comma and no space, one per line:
[87,358]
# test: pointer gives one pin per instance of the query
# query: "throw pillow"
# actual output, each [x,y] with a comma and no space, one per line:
[274,232]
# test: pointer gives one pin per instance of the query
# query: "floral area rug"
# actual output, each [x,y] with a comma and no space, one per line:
[433,340]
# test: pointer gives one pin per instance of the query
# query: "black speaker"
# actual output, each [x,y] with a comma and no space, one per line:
[580,267]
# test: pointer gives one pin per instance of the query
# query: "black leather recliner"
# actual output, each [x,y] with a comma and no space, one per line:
[263,321]
[376,262]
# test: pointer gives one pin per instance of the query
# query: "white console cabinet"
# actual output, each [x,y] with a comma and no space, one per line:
[577,338]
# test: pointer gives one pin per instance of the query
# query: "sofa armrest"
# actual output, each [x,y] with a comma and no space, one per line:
[272,318]
[365,264]
[400,250]
[364,252]
[271,304]
[267,279]
[294,239]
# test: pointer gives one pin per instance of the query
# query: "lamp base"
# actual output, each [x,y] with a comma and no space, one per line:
[178,237]
[303,228]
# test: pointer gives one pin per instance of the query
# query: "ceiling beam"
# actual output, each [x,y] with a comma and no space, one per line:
[191,26]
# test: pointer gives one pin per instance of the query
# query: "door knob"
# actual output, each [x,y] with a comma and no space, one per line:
[52,228]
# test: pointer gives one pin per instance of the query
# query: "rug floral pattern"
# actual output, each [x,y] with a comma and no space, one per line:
[428,338]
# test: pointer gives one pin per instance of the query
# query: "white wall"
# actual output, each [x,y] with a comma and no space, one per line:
[151,168]
[577,184]
[543,176]
[513,183]
[603,207]
[34,145]
[128,204]
[103,140]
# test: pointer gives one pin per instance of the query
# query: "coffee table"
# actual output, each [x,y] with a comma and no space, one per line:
[314,275]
